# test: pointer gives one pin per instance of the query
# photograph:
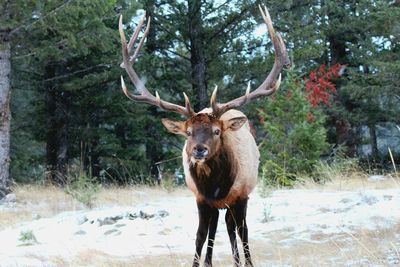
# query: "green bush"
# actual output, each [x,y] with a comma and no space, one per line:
[27,238]
[295,136]
[83,188]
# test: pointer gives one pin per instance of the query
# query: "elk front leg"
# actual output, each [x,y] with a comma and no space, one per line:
[231,227]
[240,218]
[202,231]
[211,237]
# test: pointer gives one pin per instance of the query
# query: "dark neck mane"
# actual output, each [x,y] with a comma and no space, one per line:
[214,178]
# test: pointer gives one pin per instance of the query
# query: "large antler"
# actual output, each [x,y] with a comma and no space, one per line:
[270,84]
[145,96]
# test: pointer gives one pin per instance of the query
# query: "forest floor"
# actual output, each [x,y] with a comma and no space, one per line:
[347,222]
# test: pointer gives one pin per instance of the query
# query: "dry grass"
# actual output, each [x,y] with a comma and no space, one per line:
[353,182]
[37,201]
[362,248]
[97,258]
[347,178]
[129,196]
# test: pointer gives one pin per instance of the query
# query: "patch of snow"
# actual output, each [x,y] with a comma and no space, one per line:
[377,177]
[168,225]
[305,212]
[8,202]
[10,198]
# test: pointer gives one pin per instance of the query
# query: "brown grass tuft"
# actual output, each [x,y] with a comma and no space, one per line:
[38,201]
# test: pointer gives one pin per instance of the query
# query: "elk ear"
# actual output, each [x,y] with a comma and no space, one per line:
[235,124]
[176,127]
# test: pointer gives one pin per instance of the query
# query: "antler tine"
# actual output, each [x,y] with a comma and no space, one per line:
[135,35]
[146,32]
[187,104]
[213,101]
[272,82]
[133,39]
[144,96]
[128,67]
[248,89]
[267,19]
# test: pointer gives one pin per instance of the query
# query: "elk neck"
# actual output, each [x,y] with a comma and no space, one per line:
[215,177]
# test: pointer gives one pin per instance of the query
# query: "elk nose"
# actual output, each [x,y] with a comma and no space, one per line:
[200,152]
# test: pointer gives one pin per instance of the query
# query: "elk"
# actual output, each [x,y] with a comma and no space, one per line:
[220,155]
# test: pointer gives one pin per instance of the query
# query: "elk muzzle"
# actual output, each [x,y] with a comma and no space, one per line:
[199,151]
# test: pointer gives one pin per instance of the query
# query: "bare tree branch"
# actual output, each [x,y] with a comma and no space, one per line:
[229,23]
[77,72]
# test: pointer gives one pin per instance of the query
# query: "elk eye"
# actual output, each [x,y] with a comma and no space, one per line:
[217,131]
[188,133]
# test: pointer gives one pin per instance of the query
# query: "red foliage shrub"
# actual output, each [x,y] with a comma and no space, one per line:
[319,85]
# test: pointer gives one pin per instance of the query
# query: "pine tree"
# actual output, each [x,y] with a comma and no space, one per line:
[14,16]
[70,57]
[359,34]
[200,45]
[295,137]
[372,89]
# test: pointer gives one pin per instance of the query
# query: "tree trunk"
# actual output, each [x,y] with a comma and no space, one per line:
[5,115]
[154,151]
[197,57]
[57,134]
[344,134]
[373,141]
[338,54]
[90,156]
[151,43]
[95,158]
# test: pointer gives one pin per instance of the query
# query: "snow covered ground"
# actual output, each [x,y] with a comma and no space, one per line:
[286,228]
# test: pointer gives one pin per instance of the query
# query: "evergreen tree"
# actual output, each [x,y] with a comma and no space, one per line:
[295,137]
[359,34]
[201,44]
[14,15]
[372,89]
[71,57]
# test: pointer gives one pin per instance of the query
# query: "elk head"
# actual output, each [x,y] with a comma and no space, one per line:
[204,131]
